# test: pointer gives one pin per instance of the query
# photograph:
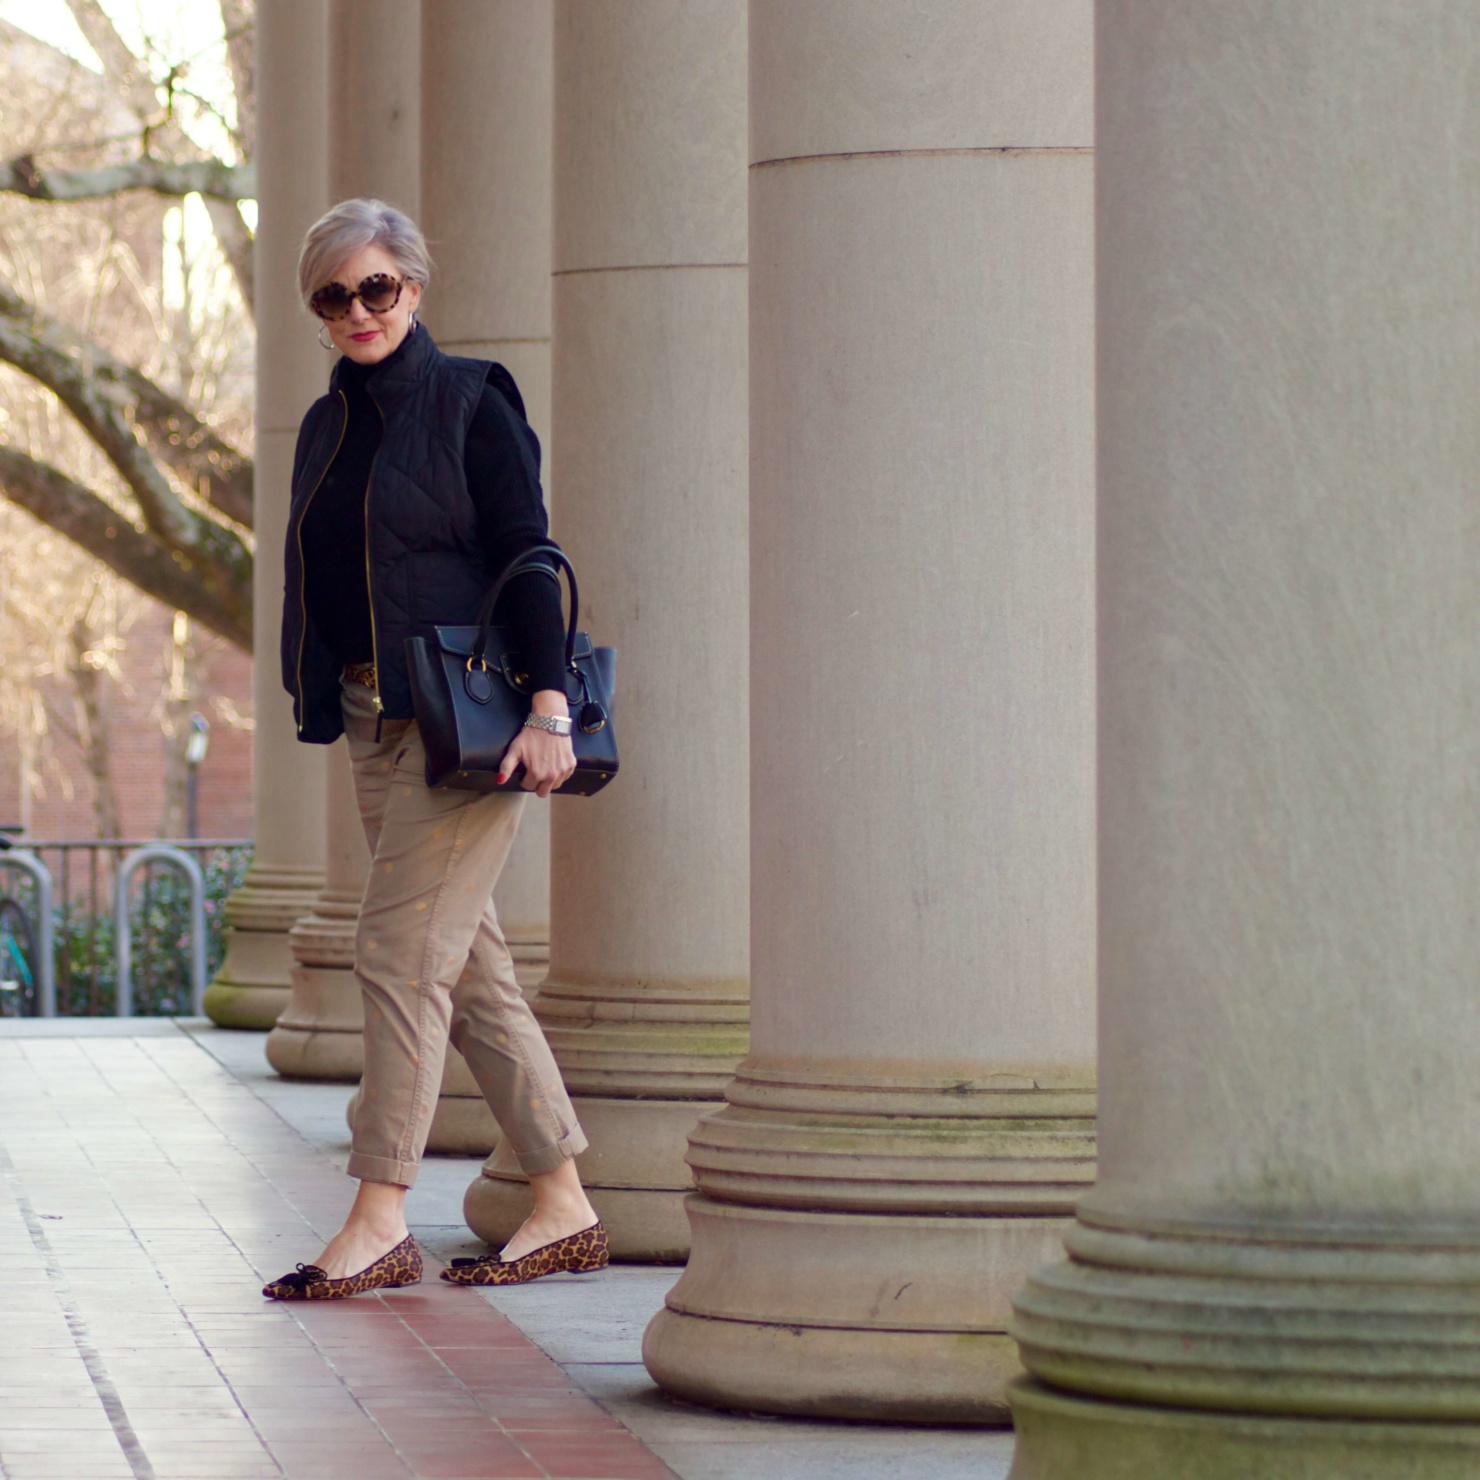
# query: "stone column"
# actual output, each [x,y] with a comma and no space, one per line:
[375,100]
[485,208]
[645,1003]
[914,1120]
[318,1035]
[1276,1275]
[373,150]
[251,987]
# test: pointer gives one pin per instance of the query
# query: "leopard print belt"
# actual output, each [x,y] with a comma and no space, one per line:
[362,673]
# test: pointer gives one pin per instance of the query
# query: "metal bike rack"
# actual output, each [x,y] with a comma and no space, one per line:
[123,971]
[46,977]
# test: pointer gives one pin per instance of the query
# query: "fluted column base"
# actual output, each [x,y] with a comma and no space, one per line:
[846,1315]
[462,1124]
[530,949]
[860,1233]
[634,1171]
[1217,1348]
[252,987]
[1060,1437]
[1323,1321]
[320,1033]
[642,1064]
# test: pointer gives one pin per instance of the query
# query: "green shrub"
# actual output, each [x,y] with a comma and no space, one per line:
[159,940]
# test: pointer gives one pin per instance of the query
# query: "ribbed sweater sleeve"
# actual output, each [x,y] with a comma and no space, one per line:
[502,460]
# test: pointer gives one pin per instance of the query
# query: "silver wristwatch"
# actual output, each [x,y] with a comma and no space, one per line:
[551,722]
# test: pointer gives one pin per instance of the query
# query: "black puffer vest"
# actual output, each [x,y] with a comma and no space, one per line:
[421,529]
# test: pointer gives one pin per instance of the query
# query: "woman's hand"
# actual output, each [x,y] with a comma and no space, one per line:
[548,760]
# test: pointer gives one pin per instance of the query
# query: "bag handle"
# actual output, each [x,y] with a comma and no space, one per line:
[537,557]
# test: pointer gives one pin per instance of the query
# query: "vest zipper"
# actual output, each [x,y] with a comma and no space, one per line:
[369,590]
[302,572]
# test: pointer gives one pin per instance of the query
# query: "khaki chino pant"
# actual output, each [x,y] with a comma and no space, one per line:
[432,963]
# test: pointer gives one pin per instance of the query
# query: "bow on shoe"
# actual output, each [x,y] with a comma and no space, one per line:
[306,1275]
[577,1253]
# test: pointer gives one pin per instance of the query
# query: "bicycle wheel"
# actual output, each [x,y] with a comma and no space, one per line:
[18,962]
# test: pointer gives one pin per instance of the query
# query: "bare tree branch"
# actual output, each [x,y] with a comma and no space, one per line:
[130,76]
[237,20]
[179,439]
[92,693]
[179,554]
[236,242]
[120,65]
[207,177]
[29,347]
[78,514]
[84,374]
[215,549]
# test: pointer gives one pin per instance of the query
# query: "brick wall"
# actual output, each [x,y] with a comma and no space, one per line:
[225,794]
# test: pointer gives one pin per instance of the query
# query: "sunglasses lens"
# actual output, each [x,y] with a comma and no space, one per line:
[331,301]
[380,292]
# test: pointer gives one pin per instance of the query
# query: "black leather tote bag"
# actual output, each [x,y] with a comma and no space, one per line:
[471,694]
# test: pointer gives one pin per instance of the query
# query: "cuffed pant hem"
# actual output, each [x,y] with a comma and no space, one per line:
[381,1169]
[548,1158]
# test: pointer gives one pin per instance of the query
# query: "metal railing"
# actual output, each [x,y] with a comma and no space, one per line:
[175,934]
[123,976]
[34,964]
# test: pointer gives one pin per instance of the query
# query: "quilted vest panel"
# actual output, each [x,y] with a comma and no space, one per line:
[424,561]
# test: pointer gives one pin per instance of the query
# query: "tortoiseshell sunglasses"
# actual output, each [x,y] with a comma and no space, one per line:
[380,292]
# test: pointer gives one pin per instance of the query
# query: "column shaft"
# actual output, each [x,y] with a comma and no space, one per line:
[318,1035]
[487,77]
[645,1004]
[373,150]
[251,987]
[914,1120]
[1276,1275]
[375,100]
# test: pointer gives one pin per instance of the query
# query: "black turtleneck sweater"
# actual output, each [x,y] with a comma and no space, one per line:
[511,518]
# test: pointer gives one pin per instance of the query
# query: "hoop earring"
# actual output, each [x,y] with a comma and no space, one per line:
[412,329]
[329,344]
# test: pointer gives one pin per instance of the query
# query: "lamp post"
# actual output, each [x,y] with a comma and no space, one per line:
[195,752]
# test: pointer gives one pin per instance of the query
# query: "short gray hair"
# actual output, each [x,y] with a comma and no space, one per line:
[353,225]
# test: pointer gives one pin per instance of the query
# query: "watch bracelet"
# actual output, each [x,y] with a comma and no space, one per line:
[552,724]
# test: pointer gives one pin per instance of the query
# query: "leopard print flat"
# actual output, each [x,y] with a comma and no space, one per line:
[576,1253]
[402,1266]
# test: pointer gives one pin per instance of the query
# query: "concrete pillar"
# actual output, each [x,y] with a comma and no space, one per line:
[318,1035]
[375,100]
[251,987]
[373,150]
[645,1004]
[1276,1274]
[485,208]
[914,1120]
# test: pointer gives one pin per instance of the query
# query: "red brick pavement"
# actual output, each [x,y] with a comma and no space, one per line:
[144,1197]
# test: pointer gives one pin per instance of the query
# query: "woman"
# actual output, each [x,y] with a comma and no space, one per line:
[415,482]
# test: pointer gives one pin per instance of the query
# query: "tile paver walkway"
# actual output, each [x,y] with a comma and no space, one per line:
[145,1194]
